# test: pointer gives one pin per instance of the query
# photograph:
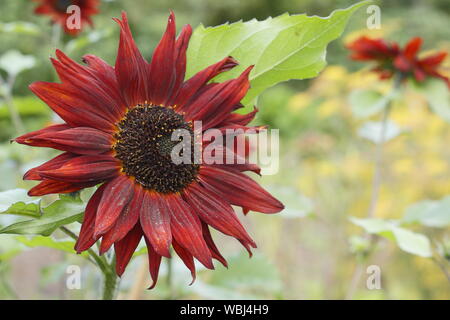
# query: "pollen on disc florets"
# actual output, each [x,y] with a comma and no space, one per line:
[144,146]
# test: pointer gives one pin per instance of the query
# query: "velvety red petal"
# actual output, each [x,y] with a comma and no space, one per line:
[155,222]
[79,140]
[186,257]
[118,193]
[239,189]
[55,163]
[84,169]
[52,186]
[95,82]
[212,246]
[180,61]
[125,222]
[154,261]
[72,106]
[187,229]
[162,67]
[86,238]
[131,67]
[190,88]
[107,75]
[215,212]
[125,248]
[214,105]
[28,137]
[412,47]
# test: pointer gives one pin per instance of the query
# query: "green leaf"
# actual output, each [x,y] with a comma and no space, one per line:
[296,204]
[14,62]
[430,213]
[17,202]
[412,242]
[408,241]
[371,130]
[366,103]
[282,48]
[20,27]
[372,225]
[254,278]
[49,242]
[61,212]
[27,106]
[438,97]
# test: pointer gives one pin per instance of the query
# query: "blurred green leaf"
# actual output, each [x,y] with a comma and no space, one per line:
[366,103]
[438,97]
[27,106]
[371,130]
[20,27]
[17,202]
[282,48]
[245,279]
[408,241]
[14,62]
[412,242]
[430,213]
[296,204]
[66,210]
[49,242]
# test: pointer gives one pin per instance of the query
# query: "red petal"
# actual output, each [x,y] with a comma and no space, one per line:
[193,85]
[212,246]
[86,238]
[412,47]
[180,60]
[117,195]
[187,230]
[125,222]
[215,212]
[154,261]
[155,222]
[106,75]
[28,137]
[131,67]
[239,189]
[73,106]
[54,163]
[186,257]
[125,248]
[213,105]
[162,68]
[103,96]
[80,140]
[84,169]
[51,186]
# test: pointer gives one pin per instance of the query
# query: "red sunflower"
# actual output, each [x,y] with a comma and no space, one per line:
[57,10]
[390,59]
[118,123]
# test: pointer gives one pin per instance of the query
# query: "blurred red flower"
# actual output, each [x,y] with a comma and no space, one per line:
[57,11]
[391,59]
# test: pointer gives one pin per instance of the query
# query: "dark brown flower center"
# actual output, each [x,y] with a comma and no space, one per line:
[62,5]
[144,145]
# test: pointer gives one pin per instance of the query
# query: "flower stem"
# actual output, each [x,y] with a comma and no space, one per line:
[110,284]
[107,269]
[376,185]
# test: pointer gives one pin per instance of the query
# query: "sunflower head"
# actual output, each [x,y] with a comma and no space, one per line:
[117,135]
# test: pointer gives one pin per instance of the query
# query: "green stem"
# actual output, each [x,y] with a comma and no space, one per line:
[108,270]
[376,185]
[110,284]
